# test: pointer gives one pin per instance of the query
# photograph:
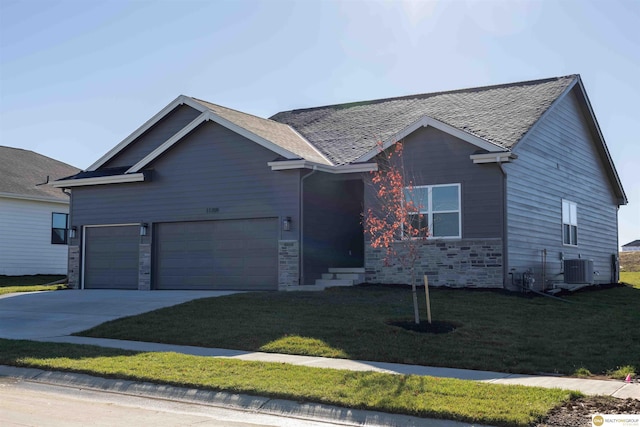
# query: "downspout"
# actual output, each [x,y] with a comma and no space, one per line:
[505,246]
[301,231]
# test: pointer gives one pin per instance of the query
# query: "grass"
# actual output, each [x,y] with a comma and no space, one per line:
[622,372]
[631,278]
[40,282]
[599,331]
[466,401]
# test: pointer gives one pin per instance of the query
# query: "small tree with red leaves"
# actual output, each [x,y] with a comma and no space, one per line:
[393,221]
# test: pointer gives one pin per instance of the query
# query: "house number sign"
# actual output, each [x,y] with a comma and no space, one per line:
[213,210]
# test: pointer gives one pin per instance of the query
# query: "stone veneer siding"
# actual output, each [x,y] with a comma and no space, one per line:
[288,263]
[73,267]
[144,267]
[454,263]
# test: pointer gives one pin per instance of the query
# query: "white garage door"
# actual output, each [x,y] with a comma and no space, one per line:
[111,257]
[230,254]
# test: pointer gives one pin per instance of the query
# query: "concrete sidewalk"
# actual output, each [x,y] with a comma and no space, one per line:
[613,388]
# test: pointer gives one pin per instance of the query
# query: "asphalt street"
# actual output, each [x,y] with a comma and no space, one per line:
[25,403]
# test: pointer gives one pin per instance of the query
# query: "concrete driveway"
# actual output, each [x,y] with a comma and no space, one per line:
[41,315]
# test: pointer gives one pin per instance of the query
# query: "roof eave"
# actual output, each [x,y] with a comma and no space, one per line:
[100,180]
[497,157]
[35,198]
[280,165]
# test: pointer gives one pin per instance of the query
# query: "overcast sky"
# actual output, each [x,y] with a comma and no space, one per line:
[77,77]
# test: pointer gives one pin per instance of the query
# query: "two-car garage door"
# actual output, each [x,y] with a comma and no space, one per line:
[234,254]
[229,254]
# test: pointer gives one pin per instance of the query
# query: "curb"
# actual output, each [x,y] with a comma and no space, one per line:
[243,402]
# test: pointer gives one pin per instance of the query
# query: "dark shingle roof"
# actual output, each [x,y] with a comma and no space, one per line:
[500,114]
[634,243]
[21,172]
[272,131]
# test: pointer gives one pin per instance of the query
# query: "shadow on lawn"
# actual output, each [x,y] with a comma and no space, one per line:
[16,352]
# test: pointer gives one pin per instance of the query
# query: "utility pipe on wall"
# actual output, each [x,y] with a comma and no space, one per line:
[544,269]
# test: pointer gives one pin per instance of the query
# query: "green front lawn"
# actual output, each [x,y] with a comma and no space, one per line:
[452,399]
[598,331]
[39,282]
[631,278]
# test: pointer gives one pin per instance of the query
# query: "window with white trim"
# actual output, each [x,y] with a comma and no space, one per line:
[59,228]
[569,223]
[437,206]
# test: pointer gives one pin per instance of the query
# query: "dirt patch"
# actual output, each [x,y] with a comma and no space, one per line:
[577,413]
[630,261]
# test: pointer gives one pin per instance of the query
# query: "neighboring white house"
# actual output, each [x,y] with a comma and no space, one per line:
[631,246]
[33,214]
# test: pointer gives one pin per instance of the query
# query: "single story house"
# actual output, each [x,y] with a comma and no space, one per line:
[631,246]
[33,214]
[206,197]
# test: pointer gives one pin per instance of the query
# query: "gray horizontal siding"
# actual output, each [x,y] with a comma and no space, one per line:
[559,160]
[168,126]
[211,167]
[434,157]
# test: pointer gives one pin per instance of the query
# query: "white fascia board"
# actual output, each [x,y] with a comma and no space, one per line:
[304,164]
[34,198]
[99,180]
[357,167]
[182,99]
[281,165]
[501,157]
[427,121]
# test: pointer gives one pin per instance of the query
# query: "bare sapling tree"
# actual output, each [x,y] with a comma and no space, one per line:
[393,221]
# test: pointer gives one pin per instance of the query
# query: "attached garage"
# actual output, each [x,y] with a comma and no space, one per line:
[111,257]
[228,254]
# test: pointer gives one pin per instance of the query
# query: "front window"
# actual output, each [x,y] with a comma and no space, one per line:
[569,223]
[435,206]
[59,227]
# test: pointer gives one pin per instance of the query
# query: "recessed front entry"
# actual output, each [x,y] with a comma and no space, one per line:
[229,254]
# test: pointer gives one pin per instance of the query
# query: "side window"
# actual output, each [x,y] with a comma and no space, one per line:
[59,228]
[569,223]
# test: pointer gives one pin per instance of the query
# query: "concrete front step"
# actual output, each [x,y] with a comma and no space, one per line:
[333,282]
[342,276]
[348,270]
[305,288]
[356,277]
